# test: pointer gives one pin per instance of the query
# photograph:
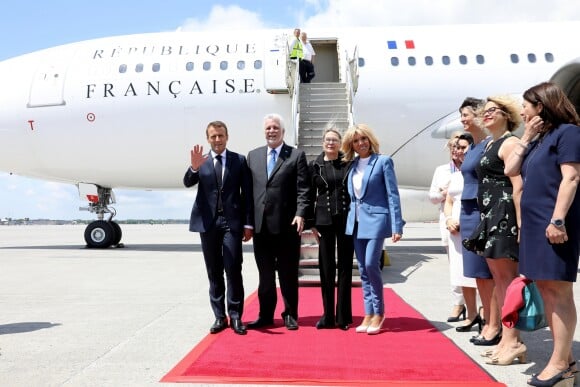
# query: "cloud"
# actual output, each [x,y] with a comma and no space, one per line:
[342,13]
[224,18]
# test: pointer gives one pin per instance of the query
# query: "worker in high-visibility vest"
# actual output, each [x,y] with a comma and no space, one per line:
[296,47]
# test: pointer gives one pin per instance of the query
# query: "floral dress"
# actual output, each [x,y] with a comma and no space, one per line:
[497,233]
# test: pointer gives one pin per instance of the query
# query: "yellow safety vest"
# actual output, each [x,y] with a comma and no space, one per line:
[297,52]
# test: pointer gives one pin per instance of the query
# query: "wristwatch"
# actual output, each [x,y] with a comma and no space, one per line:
[557,222]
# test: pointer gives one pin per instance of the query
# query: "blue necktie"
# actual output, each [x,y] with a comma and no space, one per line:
[271,162]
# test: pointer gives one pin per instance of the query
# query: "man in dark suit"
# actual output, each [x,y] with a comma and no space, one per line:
[280,188]
[223,215]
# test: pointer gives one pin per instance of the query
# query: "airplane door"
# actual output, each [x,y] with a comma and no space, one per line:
[275,64]
[47,87]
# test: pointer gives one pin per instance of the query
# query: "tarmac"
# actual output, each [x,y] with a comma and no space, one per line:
[72,316]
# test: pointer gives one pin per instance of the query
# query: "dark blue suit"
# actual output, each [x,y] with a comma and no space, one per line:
[221,232]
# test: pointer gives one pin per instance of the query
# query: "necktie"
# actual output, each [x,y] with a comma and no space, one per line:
[271,162]
[218,175]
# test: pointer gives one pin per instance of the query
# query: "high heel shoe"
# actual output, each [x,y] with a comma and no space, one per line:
[493,341]
[507,357]
[375,328]
[467,327]
[460,316]
[574,372]
[364,325]
[561,379]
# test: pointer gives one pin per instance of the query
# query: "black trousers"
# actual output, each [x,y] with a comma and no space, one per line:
[334,239]
[277,252]
[306,71]
[222,251]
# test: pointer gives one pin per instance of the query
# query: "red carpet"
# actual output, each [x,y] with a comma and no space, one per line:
[409,351]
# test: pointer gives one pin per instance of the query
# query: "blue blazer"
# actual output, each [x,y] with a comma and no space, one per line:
[237,198]
[379,208]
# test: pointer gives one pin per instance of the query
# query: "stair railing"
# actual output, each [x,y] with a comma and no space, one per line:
[352,75]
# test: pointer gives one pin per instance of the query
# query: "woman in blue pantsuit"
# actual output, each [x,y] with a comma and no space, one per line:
[374,214]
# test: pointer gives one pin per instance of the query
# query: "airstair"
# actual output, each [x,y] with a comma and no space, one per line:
[326,102]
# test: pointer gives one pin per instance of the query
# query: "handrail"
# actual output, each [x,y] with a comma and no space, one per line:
[351,83]
[293,83]
[296,105]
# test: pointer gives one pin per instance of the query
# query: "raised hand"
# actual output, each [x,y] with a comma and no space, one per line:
[197,157]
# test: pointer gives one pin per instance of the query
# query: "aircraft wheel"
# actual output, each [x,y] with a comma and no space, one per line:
[117,232]
[99,234]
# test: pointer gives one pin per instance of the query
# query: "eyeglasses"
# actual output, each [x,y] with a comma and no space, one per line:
[331,140]
[492,110]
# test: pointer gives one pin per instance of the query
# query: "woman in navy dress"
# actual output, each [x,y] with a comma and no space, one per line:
[475,266]
[549,159]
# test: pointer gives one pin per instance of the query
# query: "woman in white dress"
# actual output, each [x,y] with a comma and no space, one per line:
[437,195]
[452,211]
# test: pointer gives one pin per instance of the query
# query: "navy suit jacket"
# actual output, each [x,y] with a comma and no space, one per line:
[379,208]
[237,198]
[278,199]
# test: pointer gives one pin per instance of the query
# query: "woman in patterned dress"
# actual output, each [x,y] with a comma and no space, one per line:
[496,237]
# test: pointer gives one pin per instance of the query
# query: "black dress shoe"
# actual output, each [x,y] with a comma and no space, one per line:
[260,323]
[467,327]
[219,325]
[321,324]
[290,323]
[483,341]
[238,326]
[343,327]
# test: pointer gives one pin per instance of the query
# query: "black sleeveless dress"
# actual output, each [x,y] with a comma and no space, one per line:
[496,236]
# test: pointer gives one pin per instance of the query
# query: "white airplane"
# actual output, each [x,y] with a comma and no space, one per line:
[125,111]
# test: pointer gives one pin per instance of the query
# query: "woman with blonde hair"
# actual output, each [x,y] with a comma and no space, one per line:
[374,214]
[496,237]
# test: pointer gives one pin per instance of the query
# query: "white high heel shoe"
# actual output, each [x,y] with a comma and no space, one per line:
[364,326]
[373,330]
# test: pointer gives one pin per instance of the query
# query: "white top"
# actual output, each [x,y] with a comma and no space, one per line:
[308,51]
[357,178]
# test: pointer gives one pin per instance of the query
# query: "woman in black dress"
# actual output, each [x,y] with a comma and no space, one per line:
[548,157]
[331,201]
[496,236]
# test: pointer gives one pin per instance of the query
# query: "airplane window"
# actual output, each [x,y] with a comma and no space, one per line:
[241,65]
[514,58]
[412,61]
[156,67]
[532,58]
[258,64]
[139,67]
[361,62]
[189,66]
[206,66]
[429,60]
[445,59]
[549,57]
[480,59]
[123,68]
[394,61]
[462,59]
[223,65]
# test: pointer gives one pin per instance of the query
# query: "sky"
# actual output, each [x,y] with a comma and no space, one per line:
[27,26]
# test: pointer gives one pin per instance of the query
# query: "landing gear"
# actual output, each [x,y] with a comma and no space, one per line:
[100,233]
